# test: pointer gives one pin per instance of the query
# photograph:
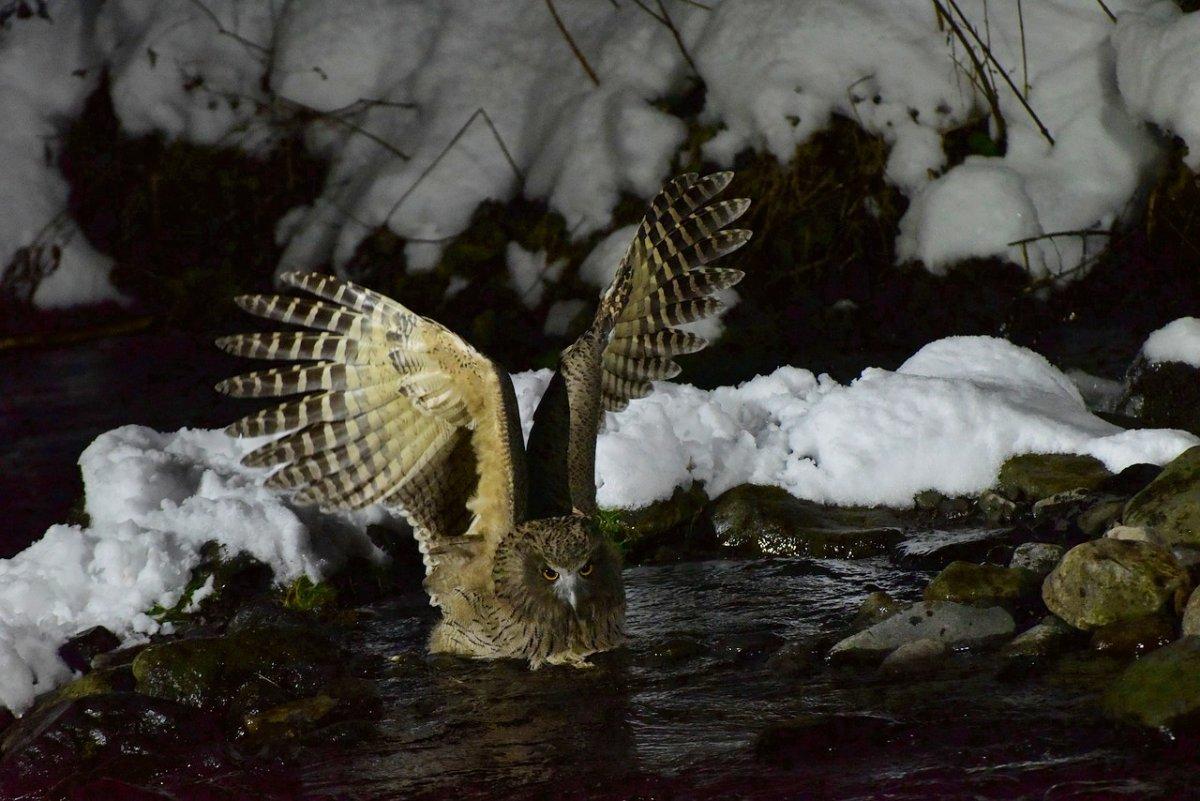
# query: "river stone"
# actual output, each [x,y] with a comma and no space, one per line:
[1038,557]
[1034,476]
[876,607]
[1191,616]
[996,509]
[289,721]
[1134,636]
[210,671]
[79,651]
[1100,516]
[1170,504]
[1129,534]
[955,625]
[769,520]
[914,658]
[1163,395]
[1106,580]
[1161,690]
[983,585]
[1049,637]
[1131,480]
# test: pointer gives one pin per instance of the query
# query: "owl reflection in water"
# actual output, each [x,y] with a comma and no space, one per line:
[395,409]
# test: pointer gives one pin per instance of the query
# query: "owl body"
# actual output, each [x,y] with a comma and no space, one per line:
[397,410]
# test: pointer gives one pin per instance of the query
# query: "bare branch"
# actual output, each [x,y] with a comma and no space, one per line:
[562,28]
[221,29]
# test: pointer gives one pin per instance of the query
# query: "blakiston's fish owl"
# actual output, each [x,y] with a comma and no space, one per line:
[398,410]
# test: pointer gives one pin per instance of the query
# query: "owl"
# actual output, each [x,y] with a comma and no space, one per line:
[392,408]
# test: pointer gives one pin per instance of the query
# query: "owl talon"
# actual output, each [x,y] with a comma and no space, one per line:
[572,660]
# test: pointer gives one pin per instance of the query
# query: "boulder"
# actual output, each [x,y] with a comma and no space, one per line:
[983,585]
[769,520]
[79,651]
[1050,637]
[1100,516]
[1163,395]
[1134,636]
[876,607]
[1034,476]
[1191,616]
[955,625]
[935,548]
[996,509]
[1107,580]
[1170,504]
[1038,557]
[915,658]
[1161,690]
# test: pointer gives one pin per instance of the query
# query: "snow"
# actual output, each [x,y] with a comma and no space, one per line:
[154,500]
[530,272]
[1157,54]
[425,108]
[945,420]
[1177,341]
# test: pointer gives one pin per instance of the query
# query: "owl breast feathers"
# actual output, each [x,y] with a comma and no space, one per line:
[393,408]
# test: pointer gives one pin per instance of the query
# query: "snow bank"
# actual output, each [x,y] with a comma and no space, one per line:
[425,108]
[945,420]
[1177,341]
[153,499]
[1157,54]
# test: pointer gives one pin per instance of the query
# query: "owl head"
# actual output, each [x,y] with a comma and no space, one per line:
[560,570]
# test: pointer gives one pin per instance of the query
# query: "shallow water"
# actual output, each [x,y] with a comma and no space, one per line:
[676,714]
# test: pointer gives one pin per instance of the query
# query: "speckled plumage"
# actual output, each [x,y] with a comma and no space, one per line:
[396,409]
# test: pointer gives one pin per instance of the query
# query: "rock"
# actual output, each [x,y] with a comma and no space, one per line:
[769,520]
[1134,636]
[1106,580]
[116,730]
[817,738]
[1037,557]
[1034,476]
[209,671]
[1131,480]
[996,509]
[876,607]
[955,625]
[1065,505]
[1163,395]
[928,500]
[79,651]
[643,529]
[1100,516]
[797,658]
[289,721]
[1129,534]
[1049,637]
[1161,690]
[935,549]
[1191,616]
[983,585]
[98,682]
[915,658]
[1170,504]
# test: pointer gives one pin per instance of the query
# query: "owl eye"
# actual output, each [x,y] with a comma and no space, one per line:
[586,570]
[549,574]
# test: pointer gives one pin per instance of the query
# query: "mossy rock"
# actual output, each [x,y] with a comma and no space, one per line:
[984,585]
[1170,504]
[769,520]
[1047,638]
[1106,580]
[209,671]
[634,525]
[98,682]
[1135,636]
[291,720]
[1034,476]
[1161,690]
[1163,395]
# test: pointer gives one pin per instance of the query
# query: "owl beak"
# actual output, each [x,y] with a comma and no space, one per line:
[567,589]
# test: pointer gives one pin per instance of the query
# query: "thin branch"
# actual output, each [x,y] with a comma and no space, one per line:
[664,19]
[479,112]
[1024,51]
[1003,74]
[221,29]
[562,28]
[1083,232]
[1111,16]
[989,90]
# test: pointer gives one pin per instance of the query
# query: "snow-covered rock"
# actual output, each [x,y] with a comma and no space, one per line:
[1177,341]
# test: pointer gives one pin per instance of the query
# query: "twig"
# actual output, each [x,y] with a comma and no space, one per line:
[1111,16]
[562,28]
[1084,232]
[665,19]
[989,90]
[1003,73]
[479,112]
[1024,52]
[221,29]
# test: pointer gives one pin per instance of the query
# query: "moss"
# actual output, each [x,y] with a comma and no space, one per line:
[234,579]
[305,596]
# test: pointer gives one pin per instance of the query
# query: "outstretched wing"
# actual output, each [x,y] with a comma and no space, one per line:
[396,409]
[662,282]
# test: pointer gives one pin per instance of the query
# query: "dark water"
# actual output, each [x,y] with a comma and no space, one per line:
[713,698]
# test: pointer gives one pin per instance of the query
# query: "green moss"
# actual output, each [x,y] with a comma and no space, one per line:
[305,596]
[233,580]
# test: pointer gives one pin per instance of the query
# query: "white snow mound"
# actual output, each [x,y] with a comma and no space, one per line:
[1177,341]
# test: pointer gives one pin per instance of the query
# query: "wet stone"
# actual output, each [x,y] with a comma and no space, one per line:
[1164,395]
[1134,636]
[1064,506]
[79,651]
[797,658]
[983,585]
[935,549]
[1037,557]
[915,658]
[769,520]
[955,625]
[1107,580]
[1170,504]
[1131,480]
[875,608]
[98,682]
[291,720]
[1160,690]
[1191,616]
[1100,516]
[1034,476]
[996,509]
[1047,638]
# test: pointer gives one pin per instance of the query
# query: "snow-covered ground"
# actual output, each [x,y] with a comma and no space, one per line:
[945,420]
[429,107]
